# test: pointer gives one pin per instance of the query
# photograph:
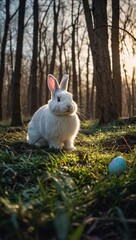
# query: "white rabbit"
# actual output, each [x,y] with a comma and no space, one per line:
[55,124]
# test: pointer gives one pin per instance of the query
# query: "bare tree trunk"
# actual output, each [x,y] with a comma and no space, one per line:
[74,73]
[80,97]
[2,58]
[9,97]
[66,60]
[41,78]
[133,91]
[91,35]
[102,72]
[56,16]
[104,84]
[41,60]
[92,101]
[60,47]
[33,74]
[116,55]
[40,66]
[128,93]
[47,70]
[89,24]
[16,105]
[79,72]
[87,84]
[80,43]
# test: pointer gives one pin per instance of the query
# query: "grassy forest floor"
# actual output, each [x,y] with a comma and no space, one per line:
[48,195]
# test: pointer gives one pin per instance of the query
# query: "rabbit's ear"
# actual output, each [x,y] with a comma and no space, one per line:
[64,82]
[53,84]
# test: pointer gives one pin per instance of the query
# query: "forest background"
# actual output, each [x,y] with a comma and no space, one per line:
[92,41]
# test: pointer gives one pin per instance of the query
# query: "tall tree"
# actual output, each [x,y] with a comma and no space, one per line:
[33,73]
[102,71]
[42,59]
[116,54]
[56,10]
[2,58]
[89,24]
[80,42]
[74,73]
[105,90]
[87,86]
[16,105]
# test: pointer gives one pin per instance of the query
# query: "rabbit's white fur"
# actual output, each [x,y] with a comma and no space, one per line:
[55,124]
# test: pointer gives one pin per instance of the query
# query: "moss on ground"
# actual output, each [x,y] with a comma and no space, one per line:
[68,195]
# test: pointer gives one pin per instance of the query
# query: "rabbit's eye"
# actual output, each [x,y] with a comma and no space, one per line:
[58,99]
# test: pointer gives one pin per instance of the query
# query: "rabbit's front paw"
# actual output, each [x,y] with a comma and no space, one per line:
[69,145]
[55,146]
[71,148]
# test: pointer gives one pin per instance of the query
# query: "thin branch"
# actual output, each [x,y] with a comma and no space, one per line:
[46,13]
[28,20]
[14,14]
[118,28]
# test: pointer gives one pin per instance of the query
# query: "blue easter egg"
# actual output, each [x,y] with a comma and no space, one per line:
[117,166]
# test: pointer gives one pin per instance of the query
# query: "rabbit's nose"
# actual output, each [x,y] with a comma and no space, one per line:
[68,106]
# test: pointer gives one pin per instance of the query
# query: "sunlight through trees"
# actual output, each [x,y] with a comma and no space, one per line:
[56,40]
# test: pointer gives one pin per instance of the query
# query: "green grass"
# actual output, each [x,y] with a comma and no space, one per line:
[68,195]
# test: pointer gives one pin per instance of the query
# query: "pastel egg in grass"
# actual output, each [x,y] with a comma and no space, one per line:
[117,166]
